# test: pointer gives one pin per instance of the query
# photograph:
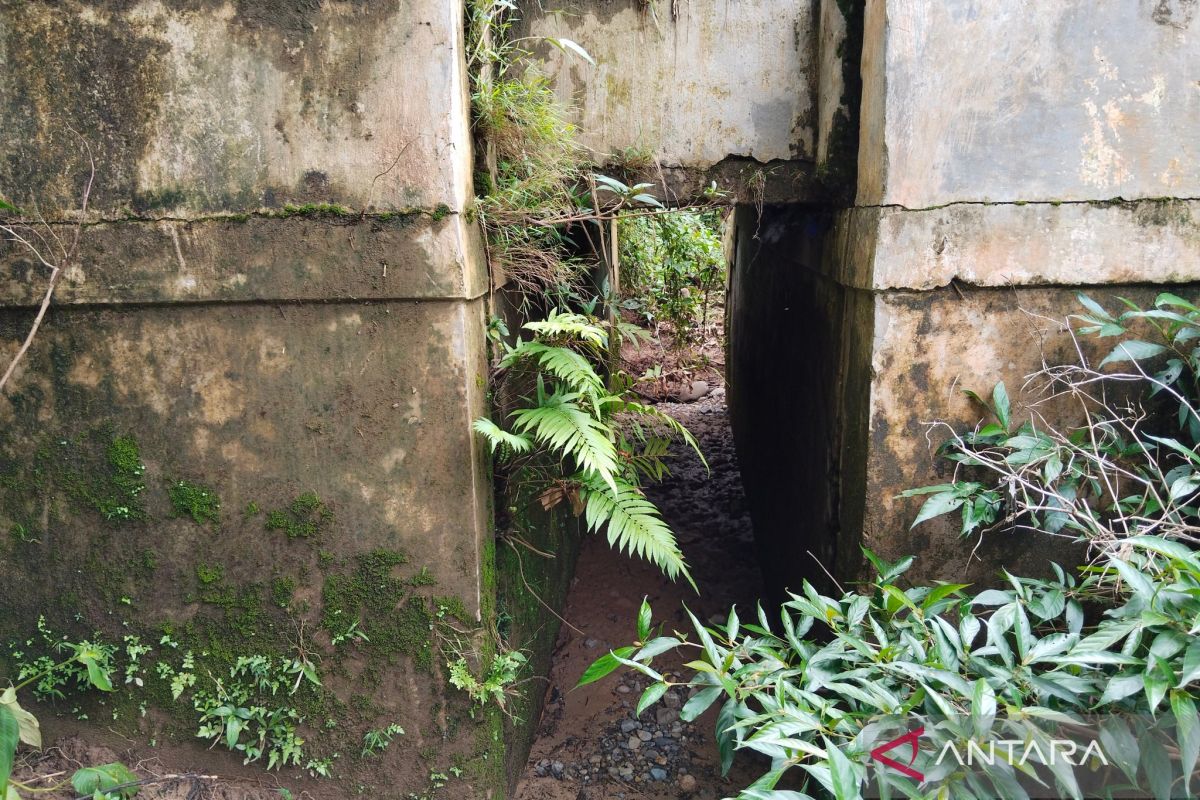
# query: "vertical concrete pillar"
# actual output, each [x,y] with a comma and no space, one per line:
[1010,156]
[280,299]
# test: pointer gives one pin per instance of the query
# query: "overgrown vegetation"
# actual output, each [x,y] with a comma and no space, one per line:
[1127,464]
[578,440]
[1107,656]
[671,266]
[85,665]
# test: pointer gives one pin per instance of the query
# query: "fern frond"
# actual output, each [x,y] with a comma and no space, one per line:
[648,462]
[634,525]
[501,440]
[560,423]
[572,369]
[568,323]
[618,405]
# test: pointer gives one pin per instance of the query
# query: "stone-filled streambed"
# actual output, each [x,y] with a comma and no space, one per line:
[590,744]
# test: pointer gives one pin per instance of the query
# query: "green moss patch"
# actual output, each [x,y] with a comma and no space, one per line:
[305,518]
[195,501]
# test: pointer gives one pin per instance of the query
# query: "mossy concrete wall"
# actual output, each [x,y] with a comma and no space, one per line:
[279,300]
[1007,159]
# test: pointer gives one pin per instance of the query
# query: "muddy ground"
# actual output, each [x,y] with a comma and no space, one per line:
[590,746]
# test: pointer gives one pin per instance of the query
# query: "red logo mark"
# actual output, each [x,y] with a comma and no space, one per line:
[905,769]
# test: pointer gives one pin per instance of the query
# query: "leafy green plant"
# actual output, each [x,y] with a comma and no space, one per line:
[814,689]
[86,666]
[577,441]
[493,686]
[376,741]
[675,261]
[237,711]
[1119,470]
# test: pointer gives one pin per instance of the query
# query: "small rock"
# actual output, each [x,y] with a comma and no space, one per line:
[622,689]
[590,644]
[687,783]
[658,774]
[557,768]
[672,700]
[695,391]
[629,725]
[633,744]
[644,735]
[665,716]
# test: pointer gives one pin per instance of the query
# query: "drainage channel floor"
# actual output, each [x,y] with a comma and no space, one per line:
[590,745]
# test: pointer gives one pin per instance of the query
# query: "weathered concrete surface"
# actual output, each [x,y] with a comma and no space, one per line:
[1025,244]
[366,405]
[691,83]
[280,297]
[298,257]
[927,348]
[1011,100]
[217,106]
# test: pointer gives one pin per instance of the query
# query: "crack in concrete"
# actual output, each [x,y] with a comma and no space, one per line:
[1104,203]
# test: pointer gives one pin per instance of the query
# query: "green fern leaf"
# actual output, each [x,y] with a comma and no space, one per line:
[634,525]
[569,324]
[572,369]
[500,439]
[560,423]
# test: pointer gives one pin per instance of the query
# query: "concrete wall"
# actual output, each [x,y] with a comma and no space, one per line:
[277,293]
[712,89]
[1010,155]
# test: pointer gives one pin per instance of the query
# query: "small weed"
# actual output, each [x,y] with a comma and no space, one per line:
[377,741]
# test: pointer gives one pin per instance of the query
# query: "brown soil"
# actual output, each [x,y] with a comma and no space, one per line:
[686,370]
[56,764]
[582,751]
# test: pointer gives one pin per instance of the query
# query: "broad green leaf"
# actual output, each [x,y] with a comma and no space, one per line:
[1168,299]
[1094,307]
[1191,663]
[941,592]
[1133,350]
[644,619]
[1184,709]
[726,734]
[10,735]
[27,724]
[1156,765]
[603,666]
[937,505]
[845,782]
[1001,405]
[656,647]
[104,778]
[652,695]
[699,703]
